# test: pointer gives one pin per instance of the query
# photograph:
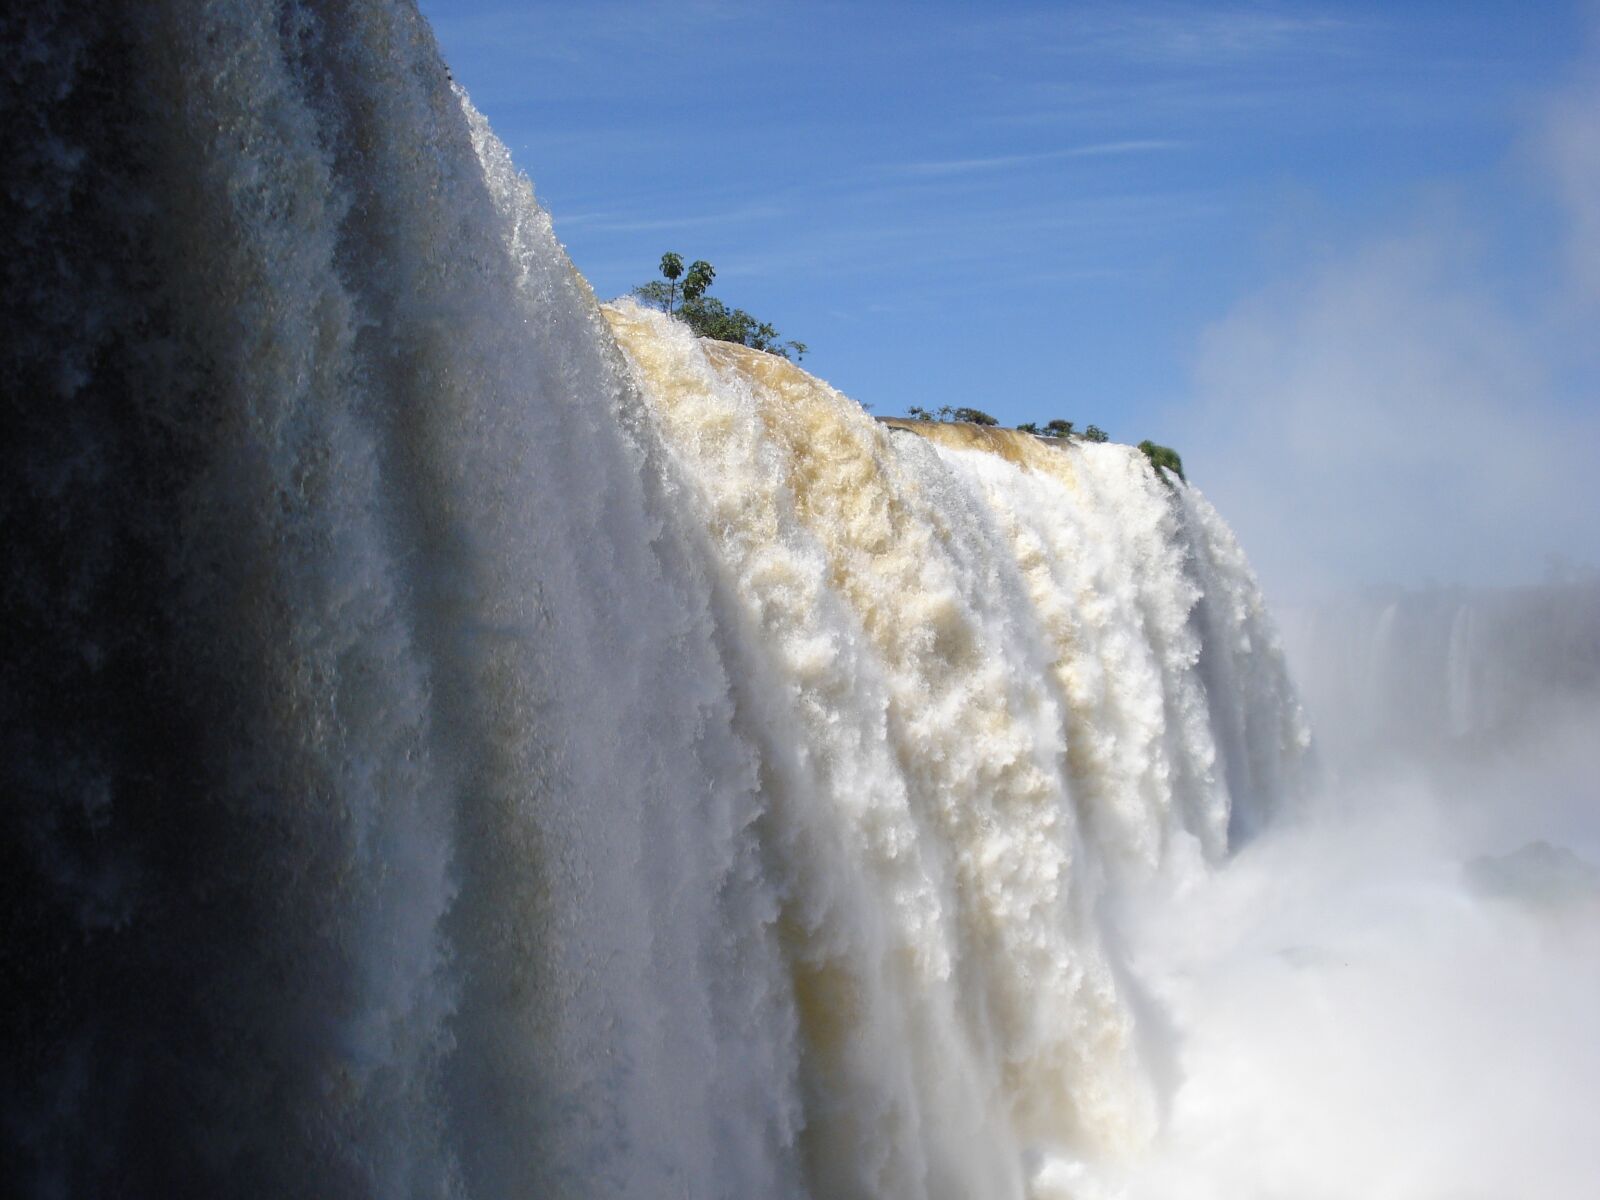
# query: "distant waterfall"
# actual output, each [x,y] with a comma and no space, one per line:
[1461,670]
[1439,670]
[462,741]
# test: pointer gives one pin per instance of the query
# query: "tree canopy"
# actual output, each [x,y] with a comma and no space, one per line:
[707,315]
[972,416]
[1052,429]
[672,269]
[1163,458]
[690,302]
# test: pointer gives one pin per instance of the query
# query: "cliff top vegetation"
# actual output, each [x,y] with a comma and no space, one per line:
[707,315]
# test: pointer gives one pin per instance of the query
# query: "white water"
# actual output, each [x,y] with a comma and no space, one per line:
[511,747]
[992,674]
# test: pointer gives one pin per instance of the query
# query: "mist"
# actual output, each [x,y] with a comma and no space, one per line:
[1392,993]
[1393,997]
[1422,404]
[463,741]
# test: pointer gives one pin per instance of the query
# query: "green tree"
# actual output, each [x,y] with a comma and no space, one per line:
[672,268]
[974,416]
[698,281]
[1163,458]
[1028,427]
[1095,434]
[1059,428]
[708,316]
[656,293]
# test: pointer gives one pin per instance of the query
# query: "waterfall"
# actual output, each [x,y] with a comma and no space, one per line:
[464,741]
[1447,672]
[1459,681]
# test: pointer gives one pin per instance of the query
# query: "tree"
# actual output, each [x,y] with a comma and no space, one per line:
[975,416]
[1163,458]
[656,293]
[672,268]
[917,413]
[708,316]
[1028,427]
[698,281]
[1095,434]
[1059,428]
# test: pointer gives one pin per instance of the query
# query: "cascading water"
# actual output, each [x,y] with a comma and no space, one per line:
[1445,671]
[465,742]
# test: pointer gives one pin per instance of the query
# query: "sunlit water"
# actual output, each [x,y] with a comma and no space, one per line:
[466,741]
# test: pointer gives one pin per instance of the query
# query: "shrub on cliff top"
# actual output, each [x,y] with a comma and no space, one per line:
[708,316]
[1163,458]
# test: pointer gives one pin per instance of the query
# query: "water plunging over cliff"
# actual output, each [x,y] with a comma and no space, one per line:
[462,741]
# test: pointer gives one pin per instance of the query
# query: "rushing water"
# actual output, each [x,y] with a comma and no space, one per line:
[465,741]
[1438,672]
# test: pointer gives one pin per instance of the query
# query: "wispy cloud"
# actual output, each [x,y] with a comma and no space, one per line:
[1164,34]
[1200,37]
[1004,162]
[1393,411]
[626,223]
[1387,418]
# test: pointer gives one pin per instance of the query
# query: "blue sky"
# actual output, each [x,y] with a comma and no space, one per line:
[1070,209]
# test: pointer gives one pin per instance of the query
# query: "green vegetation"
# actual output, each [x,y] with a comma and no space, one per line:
[1163,458]
[672,268]
[972,416]
[711,318]
[698,281]
[708,316]
[1054,429]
